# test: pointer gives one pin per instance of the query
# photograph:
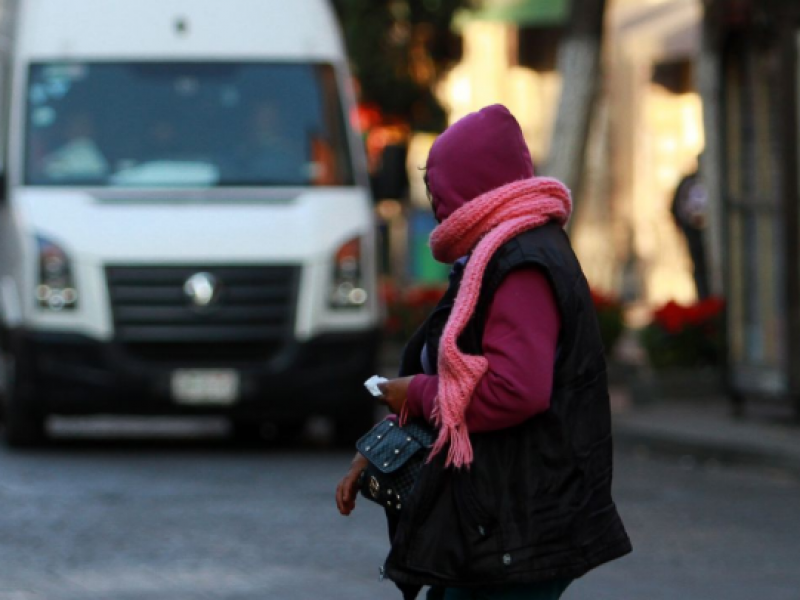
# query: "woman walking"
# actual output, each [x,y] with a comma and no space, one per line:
[515,502]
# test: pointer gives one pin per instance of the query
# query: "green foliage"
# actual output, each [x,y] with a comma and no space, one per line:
[397,50]
[683,349]
[610,317]
[612,324]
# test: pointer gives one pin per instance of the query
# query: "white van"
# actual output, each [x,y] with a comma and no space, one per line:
[185,224]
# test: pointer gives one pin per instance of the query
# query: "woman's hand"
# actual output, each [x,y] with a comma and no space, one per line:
[394,393]
[347,490]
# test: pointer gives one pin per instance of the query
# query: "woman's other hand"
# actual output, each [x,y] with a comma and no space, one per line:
[394,393]
[347,490]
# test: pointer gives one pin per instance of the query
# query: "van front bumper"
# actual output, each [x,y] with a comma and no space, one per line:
[75,374]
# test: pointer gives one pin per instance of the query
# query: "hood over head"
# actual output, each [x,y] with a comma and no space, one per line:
[480,152]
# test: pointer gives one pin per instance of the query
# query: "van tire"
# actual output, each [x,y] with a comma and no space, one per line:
[24,426]
[24,422]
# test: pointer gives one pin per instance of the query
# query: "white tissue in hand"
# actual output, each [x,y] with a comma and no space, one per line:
[372,385]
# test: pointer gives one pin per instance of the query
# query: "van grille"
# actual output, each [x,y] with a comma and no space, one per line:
[253,314]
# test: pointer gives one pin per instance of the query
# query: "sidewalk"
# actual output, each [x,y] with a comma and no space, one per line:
[705,430]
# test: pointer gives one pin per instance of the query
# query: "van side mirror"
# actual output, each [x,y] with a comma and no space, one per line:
[390,181]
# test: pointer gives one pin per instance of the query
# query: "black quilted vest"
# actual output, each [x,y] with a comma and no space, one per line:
[536,503]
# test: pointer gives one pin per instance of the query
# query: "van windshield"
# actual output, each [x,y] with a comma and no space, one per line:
[185,124]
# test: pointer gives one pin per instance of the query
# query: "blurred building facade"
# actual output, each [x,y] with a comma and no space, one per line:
[681,78]
[751,76]
[647,129]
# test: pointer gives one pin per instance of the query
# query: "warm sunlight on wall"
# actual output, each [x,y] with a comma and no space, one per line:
[487,75]
[669,141]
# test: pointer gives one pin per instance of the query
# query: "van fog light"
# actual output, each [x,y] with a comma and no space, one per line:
[56,301]
[357,296]
[54,298]
[42,293]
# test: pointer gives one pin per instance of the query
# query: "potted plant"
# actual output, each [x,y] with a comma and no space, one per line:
[685,336]
[683,344]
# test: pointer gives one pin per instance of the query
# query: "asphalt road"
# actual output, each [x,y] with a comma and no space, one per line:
[184,518]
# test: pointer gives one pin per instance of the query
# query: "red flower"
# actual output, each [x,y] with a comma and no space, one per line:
[671,317]
[707,310]
[420,296]
[392,324]
[674,317]
[604,302]
[388,292]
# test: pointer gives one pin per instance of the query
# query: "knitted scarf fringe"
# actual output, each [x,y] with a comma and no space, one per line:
[481,226]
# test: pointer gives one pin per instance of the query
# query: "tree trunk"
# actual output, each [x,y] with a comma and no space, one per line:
[579,65]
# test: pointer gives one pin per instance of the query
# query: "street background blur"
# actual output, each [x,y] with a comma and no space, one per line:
[676,125]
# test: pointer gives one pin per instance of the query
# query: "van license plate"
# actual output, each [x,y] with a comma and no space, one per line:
[205,386]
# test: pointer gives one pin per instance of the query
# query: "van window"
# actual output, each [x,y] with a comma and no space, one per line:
[185,124]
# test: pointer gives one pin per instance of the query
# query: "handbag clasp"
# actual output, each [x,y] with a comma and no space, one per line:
[374,487]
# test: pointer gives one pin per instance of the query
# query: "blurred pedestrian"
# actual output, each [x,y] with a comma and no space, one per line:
[689,209]
[515,502]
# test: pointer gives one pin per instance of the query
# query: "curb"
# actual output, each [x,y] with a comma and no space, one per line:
[678,445]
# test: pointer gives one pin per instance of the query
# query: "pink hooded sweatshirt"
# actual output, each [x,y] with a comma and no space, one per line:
[481,152]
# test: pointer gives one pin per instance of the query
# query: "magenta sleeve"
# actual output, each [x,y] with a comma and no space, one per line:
[421,395]
[519,341]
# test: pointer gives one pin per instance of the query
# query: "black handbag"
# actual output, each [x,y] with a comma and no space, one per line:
[396,455]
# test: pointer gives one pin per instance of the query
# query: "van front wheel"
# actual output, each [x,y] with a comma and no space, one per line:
[24,423]
[23,429]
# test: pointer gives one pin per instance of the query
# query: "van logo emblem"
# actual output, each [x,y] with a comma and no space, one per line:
[202,289]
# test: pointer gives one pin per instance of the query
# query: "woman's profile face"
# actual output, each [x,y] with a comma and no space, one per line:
[430,197]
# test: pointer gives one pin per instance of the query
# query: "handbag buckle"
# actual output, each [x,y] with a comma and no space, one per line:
[374,487]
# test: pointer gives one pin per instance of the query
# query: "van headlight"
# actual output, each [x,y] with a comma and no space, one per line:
[347,289]
[55,289]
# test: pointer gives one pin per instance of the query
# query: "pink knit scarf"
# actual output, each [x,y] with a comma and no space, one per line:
[481,226]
